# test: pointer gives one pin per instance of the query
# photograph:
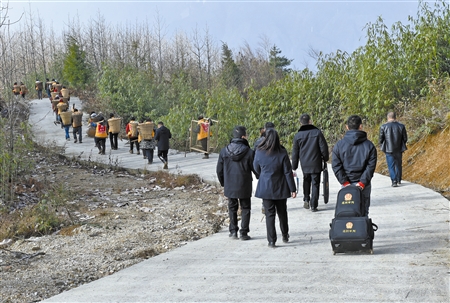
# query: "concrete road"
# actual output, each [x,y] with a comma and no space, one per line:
[410,261]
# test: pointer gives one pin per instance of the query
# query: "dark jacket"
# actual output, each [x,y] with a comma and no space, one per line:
[257,142]
[234,169]
[276,180]
[311,148]
[162,136]
[354,158]
[393,137]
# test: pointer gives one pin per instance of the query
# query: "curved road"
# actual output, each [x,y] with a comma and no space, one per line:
[410,261]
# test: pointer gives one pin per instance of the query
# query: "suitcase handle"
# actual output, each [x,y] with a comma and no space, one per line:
[375,227]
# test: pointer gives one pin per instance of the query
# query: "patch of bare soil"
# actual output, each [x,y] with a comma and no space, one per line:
[426,162]
[115,219]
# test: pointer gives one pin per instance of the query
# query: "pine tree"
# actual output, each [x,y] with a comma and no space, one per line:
[76,70]
[279,63]
[231,74]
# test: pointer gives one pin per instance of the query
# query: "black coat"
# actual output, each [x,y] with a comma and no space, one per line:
[276,180]
[393,137]
[257,142]
[354,158]
[311,148]
[162,136]
[234,169]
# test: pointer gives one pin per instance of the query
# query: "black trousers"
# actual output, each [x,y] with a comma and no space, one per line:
[246,207]
[77,130]
[113,140]
[204,143]
[311,188]
[162,155]
[149,154]
[100,143]
[273,207]
[134,140]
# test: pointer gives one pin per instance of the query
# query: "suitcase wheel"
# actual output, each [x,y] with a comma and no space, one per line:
[334,253]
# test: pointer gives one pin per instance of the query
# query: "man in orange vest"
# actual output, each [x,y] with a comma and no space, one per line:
[203,133]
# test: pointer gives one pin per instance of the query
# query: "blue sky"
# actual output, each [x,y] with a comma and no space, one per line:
[294,26]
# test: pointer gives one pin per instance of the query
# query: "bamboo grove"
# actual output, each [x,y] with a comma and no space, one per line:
[139,70]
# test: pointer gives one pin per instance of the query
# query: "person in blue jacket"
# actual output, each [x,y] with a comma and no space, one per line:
[276,183]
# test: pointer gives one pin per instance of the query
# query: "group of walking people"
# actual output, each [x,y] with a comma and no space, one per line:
[354,159]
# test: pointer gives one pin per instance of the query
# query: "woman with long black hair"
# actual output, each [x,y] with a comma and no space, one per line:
[276,183]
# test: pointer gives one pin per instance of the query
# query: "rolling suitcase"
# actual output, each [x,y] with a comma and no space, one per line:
[350,202]
[352,234]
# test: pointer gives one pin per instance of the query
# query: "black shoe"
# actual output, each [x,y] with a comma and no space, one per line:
[233,236]
[306,204]
[314,209]
[394,184]
[271,244]
[285,238]
[245,237]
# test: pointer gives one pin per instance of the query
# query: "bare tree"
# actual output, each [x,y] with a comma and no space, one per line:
[197,50]
[211,57]
[159,34]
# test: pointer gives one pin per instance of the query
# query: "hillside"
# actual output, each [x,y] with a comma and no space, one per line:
[426,162]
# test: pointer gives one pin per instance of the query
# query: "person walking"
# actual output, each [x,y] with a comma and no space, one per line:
[132,132]
[77,125]
[162,136]
[234,171]
[65,94]
[258,141]
[48,87]
[203,133]
[276,183]
[392,140]
[112,134]
[311,149]
[148,143]
[16,89]
[354,159]
[100,135]
[39,86]
[23,90]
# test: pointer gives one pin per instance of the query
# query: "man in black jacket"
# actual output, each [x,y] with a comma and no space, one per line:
[311,148]
[392,141]
[354,159]
[234,170]
[162,136]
